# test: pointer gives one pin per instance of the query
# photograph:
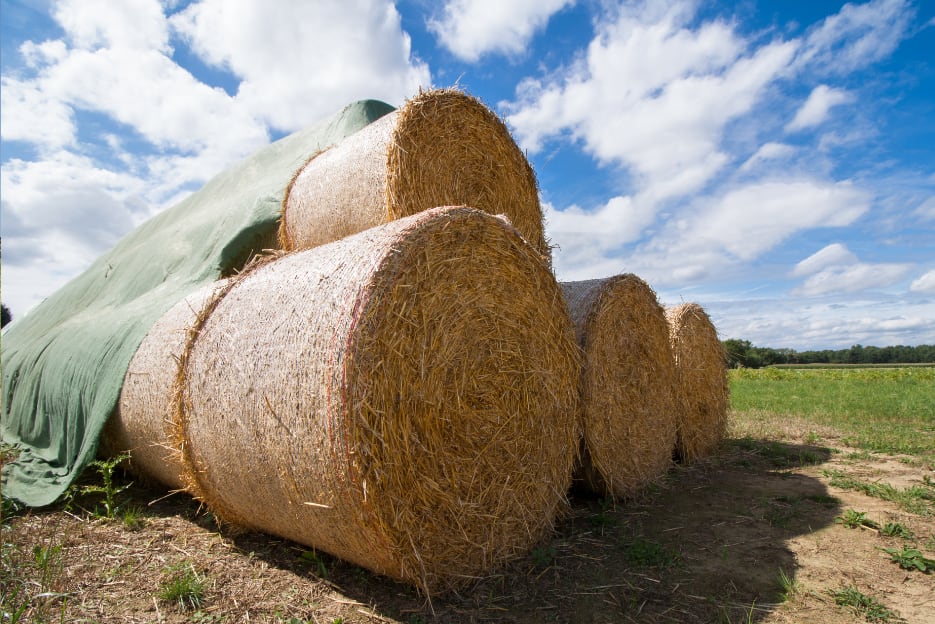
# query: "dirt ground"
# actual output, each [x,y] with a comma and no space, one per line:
[705,545]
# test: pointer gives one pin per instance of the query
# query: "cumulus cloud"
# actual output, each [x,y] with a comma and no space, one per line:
[816,108]
[299,61]
[834,254]
[93,24]
[28,113]
[584,239]
[470,29]
[924,284]
[835,270]
[851,278]
[747,221]
[715,233]
[652,95]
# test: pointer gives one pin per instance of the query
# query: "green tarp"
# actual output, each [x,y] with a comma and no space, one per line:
[64,362]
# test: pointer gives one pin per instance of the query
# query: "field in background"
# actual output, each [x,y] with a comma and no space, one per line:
[819,508]
[888,410]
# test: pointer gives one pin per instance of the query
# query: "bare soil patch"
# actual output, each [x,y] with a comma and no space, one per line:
[705,545]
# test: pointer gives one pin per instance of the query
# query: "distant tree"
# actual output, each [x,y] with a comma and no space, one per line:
[6,316]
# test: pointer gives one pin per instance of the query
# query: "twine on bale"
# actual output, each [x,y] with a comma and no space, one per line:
[403,398]
[442,148]
[701,380]
[142,422]
[627,406]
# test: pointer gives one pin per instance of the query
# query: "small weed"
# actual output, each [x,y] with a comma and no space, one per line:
[863,605]
[416,619]
[543,556]
[185,587]
[852,519]
[911,559]
[895,529]
[313,559]
[132,518]
[337,620]
[109,490]
[646,553]
[206,618]
[812,438]
[789,586]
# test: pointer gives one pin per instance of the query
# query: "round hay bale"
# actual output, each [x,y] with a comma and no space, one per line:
[442,148]
[701,372]
[627,405]
[403,398]
[142,422]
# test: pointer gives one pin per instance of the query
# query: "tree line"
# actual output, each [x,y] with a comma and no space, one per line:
[743,354]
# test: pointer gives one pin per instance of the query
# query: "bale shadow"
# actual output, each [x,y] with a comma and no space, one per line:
[706,544]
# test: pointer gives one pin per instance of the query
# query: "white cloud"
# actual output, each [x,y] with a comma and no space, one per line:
[59,214]
[856,36]
[27,113]
[768,152]
[299,61]
[147,91]
[831,322]
[924,284]
[834,254]
[93,24]
[851,278]
[926,210]
[816,108]
[472,28]
[712,235]
[585,238]
[652,95]
[749,220]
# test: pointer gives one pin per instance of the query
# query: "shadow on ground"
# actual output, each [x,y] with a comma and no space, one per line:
[708,544]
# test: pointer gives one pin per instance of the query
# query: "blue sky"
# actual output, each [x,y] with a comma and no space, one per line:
[772,161]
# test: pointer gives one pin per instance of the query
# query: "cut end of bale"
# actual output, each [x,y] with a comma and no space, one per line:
[702,382]
[405,398]
[449,149]
[627,384]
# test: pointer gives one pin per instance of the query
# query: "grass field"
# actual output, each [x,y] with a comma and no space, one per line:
[818,508]
[889,410]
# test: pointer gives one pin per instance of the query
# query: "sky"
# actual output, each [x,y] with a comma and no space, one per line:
[772,161]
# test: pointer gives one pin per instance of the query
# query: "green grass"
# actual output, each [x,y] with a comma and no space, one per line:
[889,410]
[866,606]
[917,499]
[184,587]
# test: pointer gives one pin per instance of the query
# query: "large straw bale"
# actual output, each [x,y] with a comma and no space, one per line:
[627,406]
[702,381]
[442,148]
[403,398]
[142,422]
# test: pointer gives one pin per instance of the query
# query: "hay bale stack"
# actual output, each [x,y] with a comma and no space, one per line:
[403,398]
[442,148]
[142,422]
[702,381]
[628,404]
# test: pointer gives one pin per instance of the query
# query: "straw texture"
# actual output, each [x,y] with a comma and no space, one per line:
[442,148]
[627,386]
[403,398]
[142,422]
[702,381]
